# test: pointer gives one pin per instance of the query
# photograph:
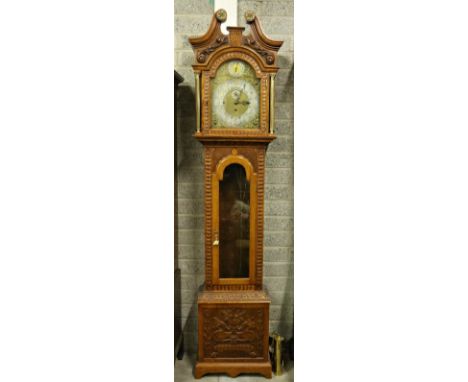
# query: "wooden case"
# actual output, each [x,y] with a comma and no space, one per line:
[233,312]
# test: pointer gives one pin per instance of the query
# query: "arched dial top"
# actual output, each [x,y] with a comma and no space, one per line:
[235,96]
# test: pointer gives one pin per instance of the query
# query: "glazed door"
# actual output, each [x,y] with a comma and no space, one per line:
[234,218]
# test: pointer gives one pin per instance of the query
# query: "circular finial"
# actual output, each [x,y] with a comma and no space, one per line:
[249,16]
[221,15]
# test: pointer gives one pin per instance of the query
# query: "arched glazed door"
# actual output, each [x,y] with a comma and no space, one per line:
[234,217]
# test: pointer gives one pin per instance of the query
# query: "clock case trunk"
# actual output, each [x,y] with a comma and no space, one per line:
[233,314]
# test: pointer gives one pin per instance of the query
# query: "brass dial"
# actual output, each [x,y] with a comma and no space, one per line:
[235,96]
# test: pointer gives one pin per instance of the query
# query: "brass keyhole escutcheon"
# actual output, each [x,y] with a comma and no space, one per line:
[216,240]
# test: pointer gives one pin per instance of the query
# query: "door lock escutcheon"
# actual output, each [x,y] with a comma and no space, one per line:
[216,240]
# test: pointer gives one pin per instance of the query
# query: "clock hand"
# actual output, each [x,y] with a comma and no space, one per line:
[241,102]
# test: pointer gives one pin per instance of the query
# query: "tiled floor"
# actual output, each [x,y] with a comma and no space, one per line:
[183,372]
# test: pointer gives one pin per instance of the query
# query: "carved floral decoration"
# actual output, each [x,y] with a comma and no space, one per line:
[233,332]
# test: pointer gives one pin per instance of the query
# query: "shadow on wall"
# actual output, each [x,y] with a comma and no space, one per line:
[187,126]
[190,328]
[284,328]
[191,212]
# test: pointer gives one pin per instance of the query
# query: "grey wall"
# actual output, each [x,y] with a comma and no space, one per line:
[192,17]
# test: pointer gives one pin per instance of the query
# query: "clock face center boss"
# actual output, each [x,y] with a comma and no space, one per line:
[234,88]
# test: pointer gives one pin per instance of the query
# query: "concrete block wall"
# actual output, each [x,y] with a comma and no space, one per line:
[192,17]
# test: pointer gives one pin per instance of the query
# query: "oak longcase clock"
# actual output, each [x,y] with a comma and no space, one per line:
[234,82]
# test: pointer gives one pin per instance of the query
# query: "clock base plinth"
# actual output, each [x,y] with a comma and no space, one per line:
[233,328]
[233,369]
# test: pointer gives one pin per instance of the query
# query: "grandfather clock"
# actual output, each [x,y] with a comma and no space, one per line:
[234,80]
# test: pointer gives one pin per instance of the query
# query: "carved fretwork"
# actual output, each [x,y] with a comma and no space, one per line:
[221,40]
[208,218]
[251,43]
[260,211]
[212,39]
[241,297]
[233,332]
[258,41]
[215,41]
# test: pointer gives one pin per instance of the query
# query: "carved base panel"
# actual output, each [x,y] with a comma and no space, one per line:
[233,333]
